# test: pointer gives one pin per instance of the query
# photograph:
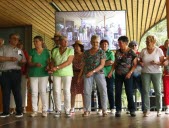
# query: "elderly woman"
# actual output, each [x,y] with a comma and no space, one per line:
[124,65]
[77,88]
[151,59]
[104,44]
[38,60]
[93,63]
[62,58]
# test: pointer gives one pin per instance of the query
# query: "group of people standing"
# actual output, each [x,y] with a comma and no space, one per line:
[75,70]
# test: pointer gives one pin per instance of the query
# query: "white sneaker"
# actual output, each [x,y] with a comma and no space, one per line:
[44,114]
[112,111]
[158,113]
[57,114]
[72,110]
[99,112]
[167,111]
[68,114]
[34,114]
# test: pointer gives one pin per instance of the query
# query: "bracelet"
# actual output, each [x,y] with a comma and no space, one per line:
[94,71]
[57,67]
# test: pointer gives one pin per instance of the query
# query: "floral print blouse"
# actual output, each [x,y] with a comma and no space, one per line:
[124,61]
[93,61]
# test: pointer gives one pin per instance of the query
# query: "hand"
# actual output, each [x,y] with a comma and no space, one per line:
[110,74]
[165,63]
[38,65]
[13,59]
[128,75]
[89,74]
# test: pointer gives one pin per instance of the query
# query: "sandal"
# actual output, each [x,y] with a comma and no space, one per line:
[86,113]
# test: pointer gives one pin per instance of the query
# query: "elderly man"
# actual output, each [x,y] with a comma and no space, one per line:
[13,58]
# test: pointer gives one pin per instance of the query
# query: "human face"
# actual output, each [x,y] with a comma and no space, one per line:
[166,45]
[14,40]
[95,43]
[63,43]
[56,40]
[77,48]
[104,46]
[37,43]
[150,44]
[1,42]
[122,44]
[20,46]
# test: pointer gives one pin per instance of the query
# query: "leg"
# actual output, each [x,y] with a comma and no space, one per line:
[66,80]
[42,85]
[146,80]
[88,82]
[57,92]
[34,92]
[156,80]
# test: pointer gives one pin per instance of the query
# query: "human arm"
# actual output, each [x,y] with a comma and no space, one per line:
[102,63]
[4,59]
[111,71]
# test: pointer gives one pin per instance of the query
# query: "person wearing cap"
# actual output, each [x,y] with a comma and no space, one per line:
[62,58]
[151,59]
[166,74]
[56,40]
[137,83]
[124,65]
[77,87]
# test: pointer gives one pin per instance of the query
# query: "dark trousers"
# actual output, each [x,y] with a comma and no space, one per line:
[11,81]
[137,84]
[110,93]
[128,83]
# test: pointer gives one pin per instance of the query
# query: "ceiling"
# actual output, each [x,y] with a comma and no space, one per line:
[141,15]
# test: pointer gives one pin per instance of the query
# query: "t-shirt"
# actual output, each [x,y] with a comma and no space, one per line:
[147,58]
[93,61]
[39,58]
[124,61]
[59,59]
[109,56]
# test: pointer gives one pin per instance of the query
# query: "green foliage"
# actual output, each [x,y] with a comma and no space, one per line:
[159,31]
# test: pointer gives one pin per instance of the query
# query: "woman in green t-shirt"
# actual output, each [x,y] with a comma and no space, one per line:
[62,58]
[38,60]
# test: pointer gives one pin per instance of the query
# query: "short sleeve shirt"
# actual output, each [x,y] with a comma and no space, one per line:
[93,61]
[39,58]
[147,58]
[59,59]
[124,61]
[109,56]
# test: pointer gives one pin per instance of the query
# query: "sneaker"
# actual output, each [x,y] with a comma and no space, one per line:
[146,114]
[133,114]
[112,111]
[3,115]
[18,115]
[68,114]
[34,114]
[167,111]
[158,113]
[57,114]
[44,114]
[118,114]
[99,112]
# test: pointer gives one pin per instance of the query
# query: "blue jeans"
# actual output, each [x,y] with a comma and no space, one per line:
[110,92]
[128,83]
[101,83]
[137,84]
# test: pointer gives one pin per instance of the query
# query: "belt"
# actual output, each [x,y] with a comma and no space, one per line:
[12,70]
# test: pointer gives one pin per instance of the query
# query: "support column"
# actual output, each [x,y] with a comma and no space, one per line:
[167,16]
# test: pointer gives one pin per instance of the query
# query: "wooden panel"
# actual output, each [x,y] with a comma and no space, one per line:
[160,10]
[135,18]
[106,4]
[139,21]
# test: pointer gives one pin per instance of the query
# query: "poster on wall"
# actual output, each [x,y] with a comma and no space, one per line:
[108,25]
